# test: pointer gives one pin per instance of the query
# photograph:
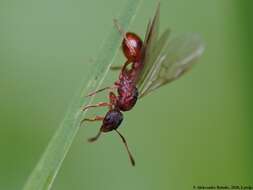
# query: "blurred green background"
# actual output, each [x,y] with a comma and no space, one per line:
[195,131]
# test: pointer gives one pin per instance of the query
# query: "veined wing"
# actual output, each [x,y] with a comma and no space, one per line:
[149,43]
[175,58]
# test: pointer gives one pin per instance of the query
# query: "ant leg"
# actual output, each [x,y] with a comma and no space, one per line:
[118,67]
[92,139]
[96,118]
[128,151]
[115,68]
[100,104]
[113,99]
[123,34]
[125,65]
[119,28]
[100,90]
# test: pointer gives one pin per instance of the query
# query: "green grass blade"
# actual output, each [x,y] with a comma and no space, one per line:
[43,175]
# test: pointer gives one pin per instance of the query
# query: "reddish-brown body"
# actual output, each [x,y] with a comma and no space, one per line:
[163,61]
[131,46]
[126,89]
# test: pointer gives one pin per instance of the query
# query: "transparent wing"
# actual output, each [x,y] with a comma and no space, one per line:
[171,60]
[149,42]
[153,28]
[151,55]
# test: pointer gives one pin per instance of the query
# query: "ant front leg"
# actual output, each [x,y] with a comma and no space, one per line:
[100,104]
[96,118]
[92,139]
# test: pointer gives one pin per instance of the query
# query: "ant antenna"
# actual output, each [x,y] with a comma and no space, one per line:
[128,151]
[95,138]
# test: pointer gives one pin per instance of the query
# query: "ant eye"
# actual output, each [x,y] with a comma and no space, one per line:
[108,118]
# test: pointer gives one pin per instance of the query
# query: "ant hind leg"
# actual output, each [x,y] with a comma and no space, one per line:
[119,28]
[116,68]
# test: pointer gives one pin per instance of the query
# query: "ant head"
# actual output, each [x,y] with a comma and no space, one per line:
[132,45]
[112,120]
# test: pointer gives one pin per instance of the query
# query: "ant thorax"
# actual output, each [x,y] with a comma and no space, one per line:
[128,95]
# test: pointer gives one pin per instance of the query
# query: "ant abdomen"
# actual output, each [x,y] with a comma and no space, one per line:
[112,120]
[132,46]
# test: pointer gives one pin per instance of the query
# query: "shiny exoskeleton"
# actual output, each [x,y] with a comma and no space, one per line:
[150,64]
[127,93]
